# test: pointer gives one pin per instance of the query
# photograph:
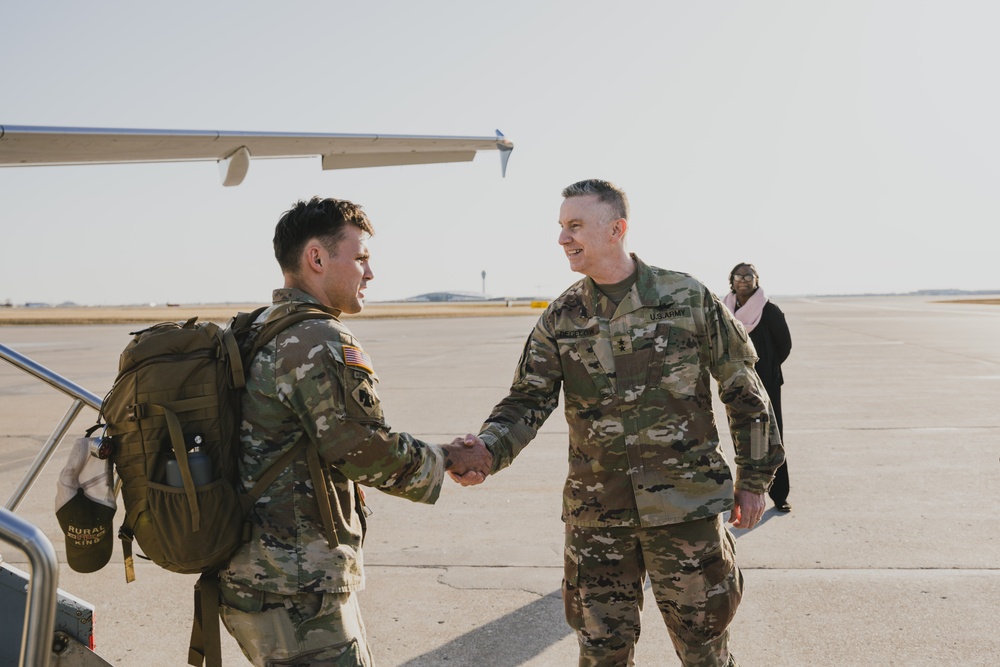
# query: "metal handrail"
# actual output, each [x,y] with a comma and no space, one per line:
[40,612]
[68,387]
[80,397]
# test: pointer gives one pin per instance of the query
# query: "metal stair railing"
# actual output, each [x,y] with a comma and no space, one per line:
[80,398]
[40,612]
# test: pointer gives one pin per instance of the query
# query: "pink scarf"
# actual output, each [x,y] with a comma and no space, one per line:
[749,313]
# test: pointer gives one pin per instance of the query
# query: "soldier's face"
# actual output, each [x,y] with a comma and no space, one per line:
[587,235]
[347,272]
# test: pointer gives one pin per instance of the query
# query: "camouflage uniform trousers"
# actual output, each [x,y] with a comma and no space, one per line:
[303,630]
[694,578]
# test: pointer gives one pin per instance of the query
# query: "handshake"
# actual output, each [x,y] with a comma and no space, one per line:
[467,460]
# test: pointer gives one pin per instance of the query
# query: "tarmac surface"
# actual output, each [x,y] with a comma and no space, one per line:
[891,555]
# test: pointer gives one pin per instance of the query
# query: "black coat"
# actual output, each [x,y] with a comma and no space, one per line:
[773,342]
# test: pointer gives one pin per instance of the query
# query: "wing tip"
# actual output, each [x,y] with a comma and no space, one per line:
[505,146]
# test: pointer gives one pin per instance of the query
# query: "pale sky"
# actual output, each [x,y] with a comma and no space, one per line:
[842,147]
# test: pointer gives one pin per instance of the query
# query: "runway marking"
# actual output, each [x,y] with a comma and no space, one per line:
[917,429]
[32,345]
[881,340]
[906,309]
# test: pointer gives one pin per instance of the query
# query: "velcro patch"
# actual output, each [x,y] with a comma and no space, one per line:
[579,333]
[355,356]
[365,396]
[670,313]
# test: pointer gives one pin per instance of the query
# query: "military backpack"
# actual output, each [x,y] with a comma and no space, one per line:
[173,420]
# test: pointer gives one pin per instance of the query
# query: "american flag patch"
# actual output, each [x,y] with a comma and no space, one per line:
[355,356]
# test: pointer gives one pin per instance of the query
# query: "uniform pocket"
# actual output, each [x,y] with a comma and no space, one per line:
[674,365]
[583,373]
[709,594]
[242,598]
[758,440]
[572,604]
[347,654]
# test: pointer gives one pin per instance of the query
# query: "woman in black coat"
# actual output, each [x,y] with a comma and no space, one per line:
[766,325]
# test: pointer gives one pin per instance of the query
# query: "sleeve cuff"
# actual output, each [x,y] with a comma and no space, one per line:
[433,474]
[754,482]
[491,439]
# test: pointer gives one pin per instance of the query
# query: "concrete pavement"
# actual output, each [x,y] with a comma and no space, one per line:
[891,555]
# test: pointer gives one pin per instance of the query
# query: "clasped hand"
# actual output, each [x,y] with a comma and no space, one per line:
[468,461]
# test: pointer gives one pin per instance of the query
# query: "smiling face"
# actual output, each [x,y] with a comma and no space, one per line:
[592,238]
[344,272]
[744,282]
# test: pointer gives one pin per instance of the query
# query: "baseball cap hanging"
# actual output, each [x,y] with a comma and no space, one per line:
[85,507]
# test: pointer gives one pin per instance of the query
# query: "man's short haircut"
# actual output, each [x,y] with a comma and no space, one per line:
[322,219]
[609,193]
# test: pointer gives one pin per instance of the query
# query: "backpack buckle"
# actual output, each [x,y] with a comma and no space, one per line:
[135,412]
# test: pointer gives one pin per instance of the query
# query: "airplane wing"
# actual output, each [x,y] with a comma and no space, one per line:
[22,145]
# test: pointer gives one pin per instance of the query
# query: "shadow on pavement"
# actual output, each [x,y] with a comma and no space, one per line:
[532,625]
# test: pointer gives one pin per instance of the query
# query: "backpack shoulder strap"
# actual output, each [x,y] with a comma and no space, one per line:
[239,378]
[272,472]
[317,476]
[283,316]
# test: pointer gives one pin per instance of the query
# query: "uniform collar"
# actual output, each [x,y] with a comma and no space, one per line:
[286,294]
[643,294]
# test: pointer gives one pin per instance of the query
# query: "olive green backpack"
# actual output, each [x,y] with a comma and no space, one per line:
[176,404]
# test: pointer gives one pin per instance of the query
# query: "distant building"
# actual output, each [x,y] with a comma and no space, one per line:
[447,296]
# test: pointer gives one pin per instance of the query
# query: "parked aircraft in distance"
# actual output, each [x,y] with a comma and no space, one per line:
[26,145]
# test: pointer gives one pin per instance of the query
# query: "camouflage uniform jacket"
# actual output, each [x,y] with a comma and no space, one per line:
[643,445]
[314,381]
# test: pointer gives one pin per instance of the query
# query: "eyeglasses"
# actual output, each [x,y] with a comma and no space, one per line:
[743,276]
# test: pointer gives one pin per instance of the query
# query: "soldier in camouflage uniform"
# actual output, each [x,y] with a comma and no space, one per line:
[634,349]
[288,595]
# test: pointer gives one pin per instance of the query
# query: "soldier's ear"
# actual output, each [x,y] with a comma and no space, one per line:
[312,257]
[619,227]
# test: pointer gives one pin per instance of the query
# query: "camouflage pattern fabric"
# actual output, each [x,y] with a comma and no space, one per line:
[304,630]
[315,381]
[643,444]
[694,579]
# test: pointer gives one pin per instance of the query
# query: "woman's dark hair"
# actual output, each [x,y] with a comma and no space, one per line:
[737,268]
